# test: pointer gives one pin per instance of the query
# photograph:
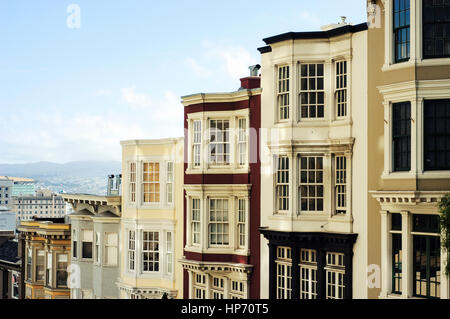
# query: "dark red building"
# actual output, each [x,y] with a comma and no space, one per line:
[222,193]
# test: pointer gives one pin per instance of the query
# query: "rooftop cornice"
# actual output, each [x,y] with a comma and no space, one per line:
[236,96]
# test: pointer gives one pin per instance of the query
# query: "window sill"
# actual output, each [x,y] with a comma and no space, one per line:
[398,66]
[219,170]
[414,175]
[218,250]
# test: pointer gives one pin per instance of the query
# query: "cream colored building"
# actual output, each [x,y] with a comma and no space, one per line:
[314,164]
[409,112]
[152,219]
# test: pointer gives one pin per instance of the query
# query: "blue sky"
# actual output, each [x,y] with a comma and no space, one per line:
[73,93]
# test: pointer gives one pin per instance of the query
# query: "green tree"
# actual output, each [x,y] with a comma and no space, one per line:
[444,227]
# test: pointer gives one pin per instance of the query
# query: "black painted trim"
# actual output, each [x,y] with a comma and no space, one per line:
[265,49]
[316,34]
[321,242]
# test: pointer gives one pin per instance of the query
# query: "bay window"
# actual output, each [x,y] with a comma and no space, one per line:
[341,89]
[195,221]
[131,249]
[401,136]
[132,182]
[110,254]
[86,244]
[197,143]
[61,270]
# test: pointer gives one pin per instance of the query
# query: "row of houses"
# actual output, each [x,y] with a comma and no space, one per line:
[317,178]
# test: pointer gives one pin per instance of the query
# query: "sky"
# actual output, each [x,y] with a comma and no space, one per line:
[77,77]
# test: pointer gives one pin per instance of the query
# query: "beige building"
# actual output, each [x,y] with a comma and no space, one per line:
[152,219]
[314,164]
[46,258]
[409,134]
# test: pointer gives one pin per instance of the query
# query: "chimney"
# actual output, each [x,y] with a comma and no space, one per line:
[253,81]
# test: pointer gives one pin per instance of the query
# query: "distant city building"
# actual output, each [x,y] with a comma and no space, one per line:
[6,186]
[11,279]
[7,220]
[46,257]
[20,186]
[45,204]
[114,185]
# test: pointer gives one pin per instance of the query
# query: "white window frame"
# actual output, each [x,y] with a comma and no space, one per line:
[308,267]
[223,210]
[242,221]
[316,185]
[341,88]
[156,261]
[132,182]
[283,93]
[224,142]
[284,272]
[282,184]
[242,141]
[315,91]
[340,183]
[169,253]
[218,287]
[196,143]
[196,223]
[131,250]
[334,274]
[111,242]
[156,184]
[170,171]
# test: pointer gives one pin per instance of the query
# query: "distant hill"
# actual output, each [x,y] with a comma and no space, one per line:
[45,169]
[87,177]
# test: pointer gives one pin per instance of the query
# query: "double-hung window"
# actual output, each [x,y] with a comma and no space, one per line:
[61,270]
[436,135]
[284,272]
[312,94]
[219,142]
[218,222]
[40,265]
[132,182]
[97,248]
[195,221]
[199,286]
[197,143]
[334,272]
[401,30]
[169,183]
[110,254]
[282,184]
[151,183]
[242,218]
[311,183]
[283,92]
[169,253]
[218,288]
[401,136]
[150,251]
[131,249]
[341,89]
[340,174]
[436,28]
[86,244]
[242,141]
[48,271]
[308,274]
[237,290]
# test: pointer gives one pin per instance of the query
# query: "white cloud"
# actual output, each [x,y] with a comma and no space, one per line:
[62,136]
[135,100]
[199,70]
[222,59]
[309,17]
